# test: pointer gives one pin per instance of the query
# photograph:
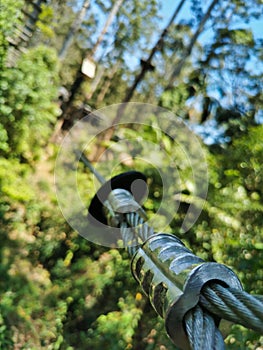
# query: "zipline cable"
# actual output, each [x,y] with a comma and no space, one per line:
[233,305]
[202,331]
[217,299]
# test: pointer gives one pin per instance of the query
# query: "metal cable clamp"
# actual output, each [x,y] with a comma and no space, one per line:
[172,277]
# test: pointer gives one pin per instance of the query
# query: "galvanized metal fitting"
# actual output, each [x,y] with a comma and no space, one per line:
[118,203]
[172,277]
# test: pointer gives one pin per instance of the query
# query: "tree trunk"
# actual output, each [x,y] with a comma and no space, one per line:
[108,22]
[145,66]
[189,48]
[107,84]
[95,83]
[80,76]
[73,29]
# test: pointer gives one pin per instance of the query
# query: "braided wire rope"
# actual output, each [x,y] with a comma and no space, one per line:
[227,303]
[233,305]
[200,326]
[197,319]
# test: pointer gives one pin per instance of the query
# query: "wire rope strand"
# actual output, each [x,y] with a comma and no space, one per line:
[201,330]
[129,238]
[142,229]
[233,305]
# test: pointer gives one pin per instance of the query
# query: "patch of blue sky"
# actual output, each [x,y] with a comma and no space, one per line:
[210,132]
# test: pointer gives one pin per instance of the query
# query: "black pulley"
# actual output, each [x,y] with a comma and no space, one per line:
[127,181]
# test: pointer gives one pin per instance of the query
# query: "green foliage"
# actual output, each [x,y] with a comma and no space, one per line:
[242,37]
[133,18]
[10,16]
[27,108]
[45,17]
[224,80]
[12,184]
[175,99]
[59,291]
[121,325]
[231,225]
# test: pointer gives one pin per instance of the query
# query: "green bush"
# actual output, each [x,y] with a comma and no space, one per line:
[28,110]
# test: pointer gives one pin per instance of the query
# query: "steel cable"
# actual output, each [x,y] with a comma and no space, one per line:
[223,302]
[233,305]
[201,330]
[200,326]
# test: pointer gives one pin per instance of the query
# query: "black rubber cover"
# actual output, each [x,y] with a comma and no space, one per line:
[124,181]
